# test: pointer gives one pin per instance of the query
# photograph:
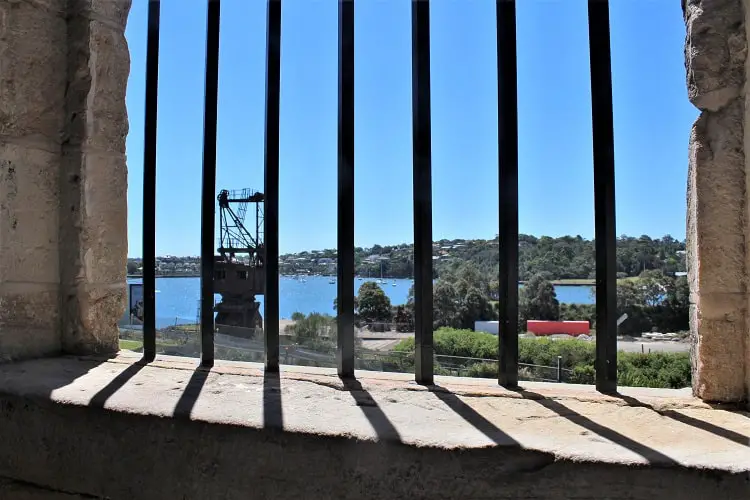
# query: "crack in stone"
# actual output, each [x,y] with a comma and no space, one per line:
[29,484]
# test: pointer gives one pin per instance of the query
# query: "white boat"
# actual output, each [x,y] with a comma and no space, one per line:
[332,282]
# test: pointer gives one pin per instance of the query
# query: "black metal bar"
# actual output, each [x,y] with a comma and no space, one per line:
[345,281]
[271,204]
[149,183]
[422,164]
[208,192]
[507,139]
[604,196]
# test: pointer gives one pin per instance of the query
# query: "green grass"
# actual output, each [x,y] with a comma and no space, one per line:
[132,345]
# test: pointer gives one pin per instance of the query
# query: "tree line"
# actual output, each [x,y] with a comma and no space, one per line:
[653,301]
[565,257]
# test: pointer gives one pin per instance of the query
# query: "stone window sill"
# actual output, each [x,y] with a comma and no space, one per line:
[540,425]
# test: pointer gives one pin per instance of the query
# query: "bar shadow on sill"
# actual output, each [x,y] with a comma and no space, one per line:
[387,432]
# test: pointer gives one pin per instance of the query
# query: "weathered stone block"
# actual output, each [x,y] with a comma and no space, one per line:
[716,213]
[718,357]
[29,321]
[105,252]
[29,177]
[29,206]
[113,12]
[105,182]
[29,306]
[25,342]
[63,180]
[28,245]
[94,217]
[717,230]
[32,69]
[718,330]
[99,64]
[715,51]
[90,315]
[29,209]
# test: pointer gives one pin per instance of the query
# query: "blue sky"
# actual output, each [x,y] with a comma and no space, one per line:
[652,118]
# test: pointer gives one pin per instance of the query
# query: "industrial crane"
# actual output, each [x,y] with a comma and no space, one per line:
[239,271]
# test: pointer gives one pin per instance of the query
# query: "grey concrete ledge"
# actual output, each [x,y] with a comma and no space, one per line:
[167,427]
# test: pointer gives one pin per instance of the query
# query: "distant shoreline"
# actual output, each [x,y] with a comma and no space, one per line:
[563,282]
[140,276]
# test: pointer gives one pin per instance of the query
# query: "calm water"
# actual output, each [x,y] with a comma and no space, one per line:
[177,298]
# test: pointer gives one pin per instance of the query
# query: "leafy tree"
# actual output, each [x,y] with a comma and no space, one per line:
[404,321]
[133,267]
[374,306]
[445,304]
[474,307]
[653,301]
[653,285]
[310,328]
[538,300]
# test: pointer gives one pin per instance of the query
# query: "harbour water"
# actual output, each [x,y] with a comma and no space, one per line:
[177,298]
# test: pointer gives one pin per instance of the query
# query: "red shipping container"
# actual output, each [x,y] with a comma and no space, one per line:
[574,328]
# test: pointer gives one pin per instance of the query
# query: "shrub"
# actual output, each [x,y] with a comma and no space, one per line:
[670,370]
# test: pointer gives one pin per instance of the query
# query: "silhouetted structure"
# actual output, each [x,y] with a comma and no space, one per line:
[239,271]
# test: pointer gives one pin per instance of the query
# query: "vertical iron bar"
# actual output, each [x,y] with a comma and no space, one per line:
[345,281]
[604,196]
[271,208]
[208,193]
[149,183]
[507,140]
[422,164]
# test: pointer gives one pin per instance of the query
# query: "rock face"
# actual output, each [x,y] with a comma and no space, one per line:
[93,184]
[715,60]
[63,178]
[32,100]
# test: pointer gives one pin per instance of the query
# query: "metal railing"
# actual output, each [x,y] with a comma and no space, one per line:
[508,366]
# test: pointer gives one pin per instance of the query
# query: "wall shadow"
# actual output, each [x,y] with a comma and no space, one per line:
[471,416]
[691,421]
[273,416]
[190,393]
[653,456]
[383,427]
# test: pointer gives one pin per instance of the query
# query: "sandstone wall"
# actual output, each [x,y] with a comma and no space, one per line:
[717,229]
[63,179]
[93,184]
[33,38]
